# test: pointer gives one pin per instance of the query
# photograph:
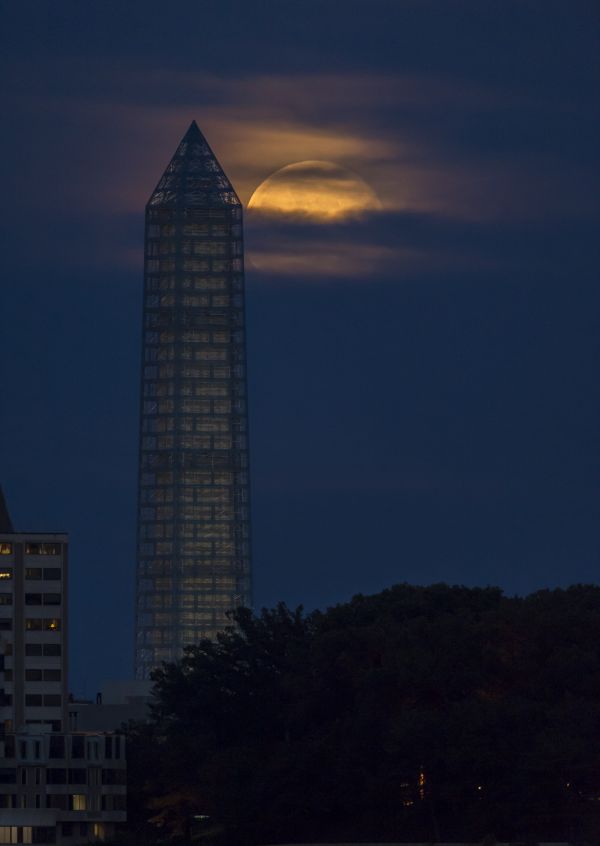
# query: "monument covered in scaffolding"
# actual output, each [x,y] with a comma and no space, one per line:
[193,539]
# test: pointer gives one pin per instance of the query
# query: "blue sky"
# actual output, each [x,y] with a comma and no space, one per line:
[432,416]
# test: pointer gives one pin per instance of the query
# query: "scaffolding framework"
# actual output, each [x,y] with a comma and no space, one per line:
[193,542]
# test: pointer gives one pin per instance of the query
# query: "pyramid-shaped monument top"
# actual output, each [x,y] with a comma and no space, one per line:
[194,179]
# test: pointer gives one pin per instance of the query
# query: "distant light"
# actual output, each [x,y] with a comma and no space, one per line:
[421,785]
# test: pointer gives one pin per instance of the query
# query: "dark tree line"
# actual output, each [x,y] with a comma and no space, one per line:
[427,714]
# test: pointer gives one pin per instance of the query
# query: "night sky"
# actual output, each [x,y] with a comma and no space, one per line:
[423,400]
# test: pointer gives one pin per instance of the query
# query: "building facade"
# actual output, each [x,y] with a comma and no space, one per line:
[118,703]
[33,631]
[56,786]
[65,789]
[193,547]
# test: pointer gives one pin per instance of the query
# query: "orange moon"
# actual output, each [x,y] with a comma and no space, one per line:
[316,191]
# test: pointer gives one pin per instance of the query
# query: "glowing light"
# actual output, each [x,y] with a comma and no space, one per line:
[315,190]
[422,785]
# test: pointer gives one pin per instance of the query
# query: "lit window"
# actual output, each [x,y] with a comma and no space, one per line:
[195,229]
[6,548]
[6,573]
[221,372]
[52,624]
[78,801]
[197,301]
[221,301]
[33,573]
[42,549]
[221,407]
[222,443]
[219,266]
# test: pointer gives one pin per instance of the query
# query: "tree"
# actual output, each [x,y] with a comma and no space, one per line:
[415,713]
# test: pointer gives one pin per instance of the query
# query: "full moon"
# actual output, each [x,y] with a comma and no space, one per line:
[314,190]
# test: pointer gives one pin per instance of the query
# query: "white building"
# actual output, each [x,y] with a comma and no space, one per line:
[117,704]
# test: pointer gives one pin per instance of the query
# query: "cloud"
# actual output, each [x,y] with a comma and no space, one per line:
[418,140]
[326,259]
[400,246]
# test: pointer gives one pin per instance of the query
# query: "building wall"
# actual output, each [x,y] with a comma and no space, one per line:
[117,704]
[61,788]
[56,787]
[33,631]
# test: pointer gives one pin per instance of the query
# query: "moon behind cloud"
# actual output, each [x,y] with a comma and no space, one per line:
[316,191]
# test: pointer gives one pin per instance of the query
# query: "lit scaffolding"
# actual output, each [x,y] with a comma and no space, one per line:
[193,545]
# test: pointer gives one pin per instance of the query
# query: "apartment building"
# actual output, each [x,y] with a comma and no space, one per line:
[33,631]
[56,786]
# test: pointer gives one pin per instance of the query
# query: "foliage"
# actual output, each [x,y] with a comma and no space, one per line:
[415,714]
